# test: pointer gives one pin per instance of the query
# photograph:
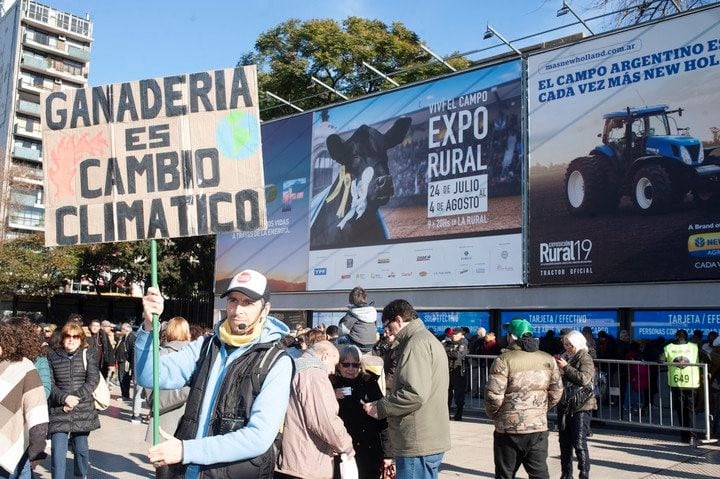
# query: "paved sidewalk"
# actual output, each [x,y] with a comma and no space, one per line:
[118,450]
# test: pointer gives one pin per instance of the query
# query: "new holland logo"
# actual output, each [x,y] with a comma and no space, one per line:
[320,271]
[704,245]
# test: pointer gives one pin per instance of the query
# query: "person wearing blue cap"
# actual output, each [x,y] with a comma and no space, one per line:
[524,383]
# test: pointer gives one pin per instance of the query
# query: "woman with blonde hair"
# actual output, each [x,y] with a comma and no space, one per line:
[175,336]
[577,403]
[75,375]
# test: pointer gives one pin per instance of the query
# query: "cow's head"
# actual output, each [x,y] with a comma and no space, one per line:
[366,150]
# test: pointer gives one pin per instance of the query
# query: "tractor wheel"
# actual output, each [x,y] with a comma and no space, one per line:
[586,186]
[653,189]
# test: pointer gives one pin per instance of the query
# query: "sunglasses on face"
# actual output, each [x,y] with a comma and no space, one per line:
[72,336]
[350,365]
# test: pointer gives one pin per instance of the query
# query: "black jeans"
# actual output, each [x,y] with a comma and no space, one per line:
[456,391]
[573,436]
[684,406]
[528,450]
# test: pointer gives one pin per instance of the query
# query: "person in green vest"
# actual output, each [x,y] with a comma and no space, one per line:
[684,381]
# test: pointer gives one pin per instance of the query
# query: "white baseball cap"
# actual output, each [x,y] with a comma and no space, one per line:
[252,284]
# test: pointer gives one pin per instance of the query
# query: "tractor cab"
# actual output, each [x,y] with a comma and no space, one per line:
[640,132]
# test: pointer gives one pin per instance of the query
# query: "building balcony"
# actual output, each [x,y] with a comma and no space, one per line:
[29,86]
[35,63]
[60,48]
[78,53]
[29,108]
[28,154]
[34,133]
[29,224]
[29,178]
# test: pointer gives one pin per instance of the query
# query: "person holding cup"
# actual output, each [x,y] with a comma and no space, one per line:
[354,386]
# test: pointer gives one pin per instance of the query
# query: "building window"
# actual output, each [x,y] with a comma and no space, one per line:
[63,21]
[73,68]
[37,12]
[78,25]
[73,24]
[42,38]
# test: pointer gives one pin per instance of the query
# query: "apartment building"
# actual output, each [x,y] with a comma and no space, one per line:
[41,49]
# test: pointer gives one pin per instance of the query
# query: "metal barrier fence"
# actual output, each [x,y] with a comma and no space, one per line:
[632,393]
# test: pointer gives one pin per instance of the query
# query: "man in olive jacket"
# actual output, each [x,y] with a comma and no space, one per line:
[416,408]
[524,383]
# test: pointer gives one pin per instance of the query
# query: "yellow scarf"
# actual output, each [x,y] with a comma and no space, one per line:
[235,340]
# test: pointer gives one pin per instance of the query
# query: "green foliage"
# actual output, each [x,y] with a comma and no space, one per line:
[28,267]
[185,265]
[291,53]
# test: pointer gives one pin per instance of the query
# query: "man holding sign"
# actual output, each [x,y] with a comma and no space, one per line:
[240,385]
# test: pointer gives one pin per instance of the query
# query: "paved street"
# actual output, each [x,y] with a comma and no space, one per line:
[118,450]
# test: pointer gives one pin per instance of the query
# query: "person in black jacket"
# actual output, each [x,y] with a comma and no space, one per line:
[99,342]
[353,384]
[125,355]
[456,349]
[74,374]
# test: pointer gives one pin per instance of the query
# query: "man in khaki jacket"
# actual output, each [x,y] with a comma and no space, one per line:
[416,408]
[524,383]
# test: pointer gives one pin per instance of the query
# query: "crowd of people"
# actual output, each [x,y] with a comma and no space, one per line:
[251,398]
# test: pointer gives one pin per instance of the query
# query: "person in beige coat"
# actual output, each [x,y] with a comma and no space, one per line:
[313,433]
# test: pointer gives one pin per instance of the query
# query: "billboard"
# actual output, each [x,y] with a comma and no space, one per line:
[420,186]
[281,250]
[543,321]
[623,159]
[156,158]
[665,323]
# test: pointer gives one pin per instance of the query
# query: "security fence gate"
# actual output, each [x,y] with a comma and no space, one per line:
[631,393]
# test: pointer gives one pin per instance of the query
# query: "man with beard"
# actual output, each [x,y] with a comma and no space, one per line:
[239,382]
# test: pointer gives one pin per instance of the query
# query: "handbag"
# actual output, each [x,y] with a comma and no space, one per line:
[101,394]
[576,396]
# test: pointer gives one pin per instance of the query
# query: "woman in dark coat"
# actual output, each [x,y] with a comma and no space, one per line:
[353,384]
[577,369]
[72,409]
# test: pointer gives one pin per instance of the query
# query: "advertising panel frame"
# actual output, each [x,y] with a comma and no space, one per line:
[607,229]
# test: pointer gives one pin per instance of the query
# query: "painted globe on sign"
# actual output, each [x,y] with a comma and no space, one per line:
[238,135]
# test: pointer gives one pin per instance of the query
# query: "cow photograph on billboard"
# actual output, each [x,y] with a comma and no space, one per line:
[624,155]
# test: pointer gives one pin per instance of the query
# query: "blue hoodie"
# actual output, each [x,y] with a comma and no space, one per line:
[267,413]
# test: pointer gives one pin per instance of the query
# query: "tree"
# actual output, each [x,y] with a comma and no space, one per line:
[185,265]
[290,54]
[632,12]
[28,267]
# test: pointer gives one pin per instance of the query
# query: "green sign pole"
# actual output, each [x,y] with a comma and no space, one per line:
[155,348]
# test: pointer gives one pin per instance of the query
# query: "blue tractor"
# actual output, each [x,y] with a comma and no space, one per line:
[641,158]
